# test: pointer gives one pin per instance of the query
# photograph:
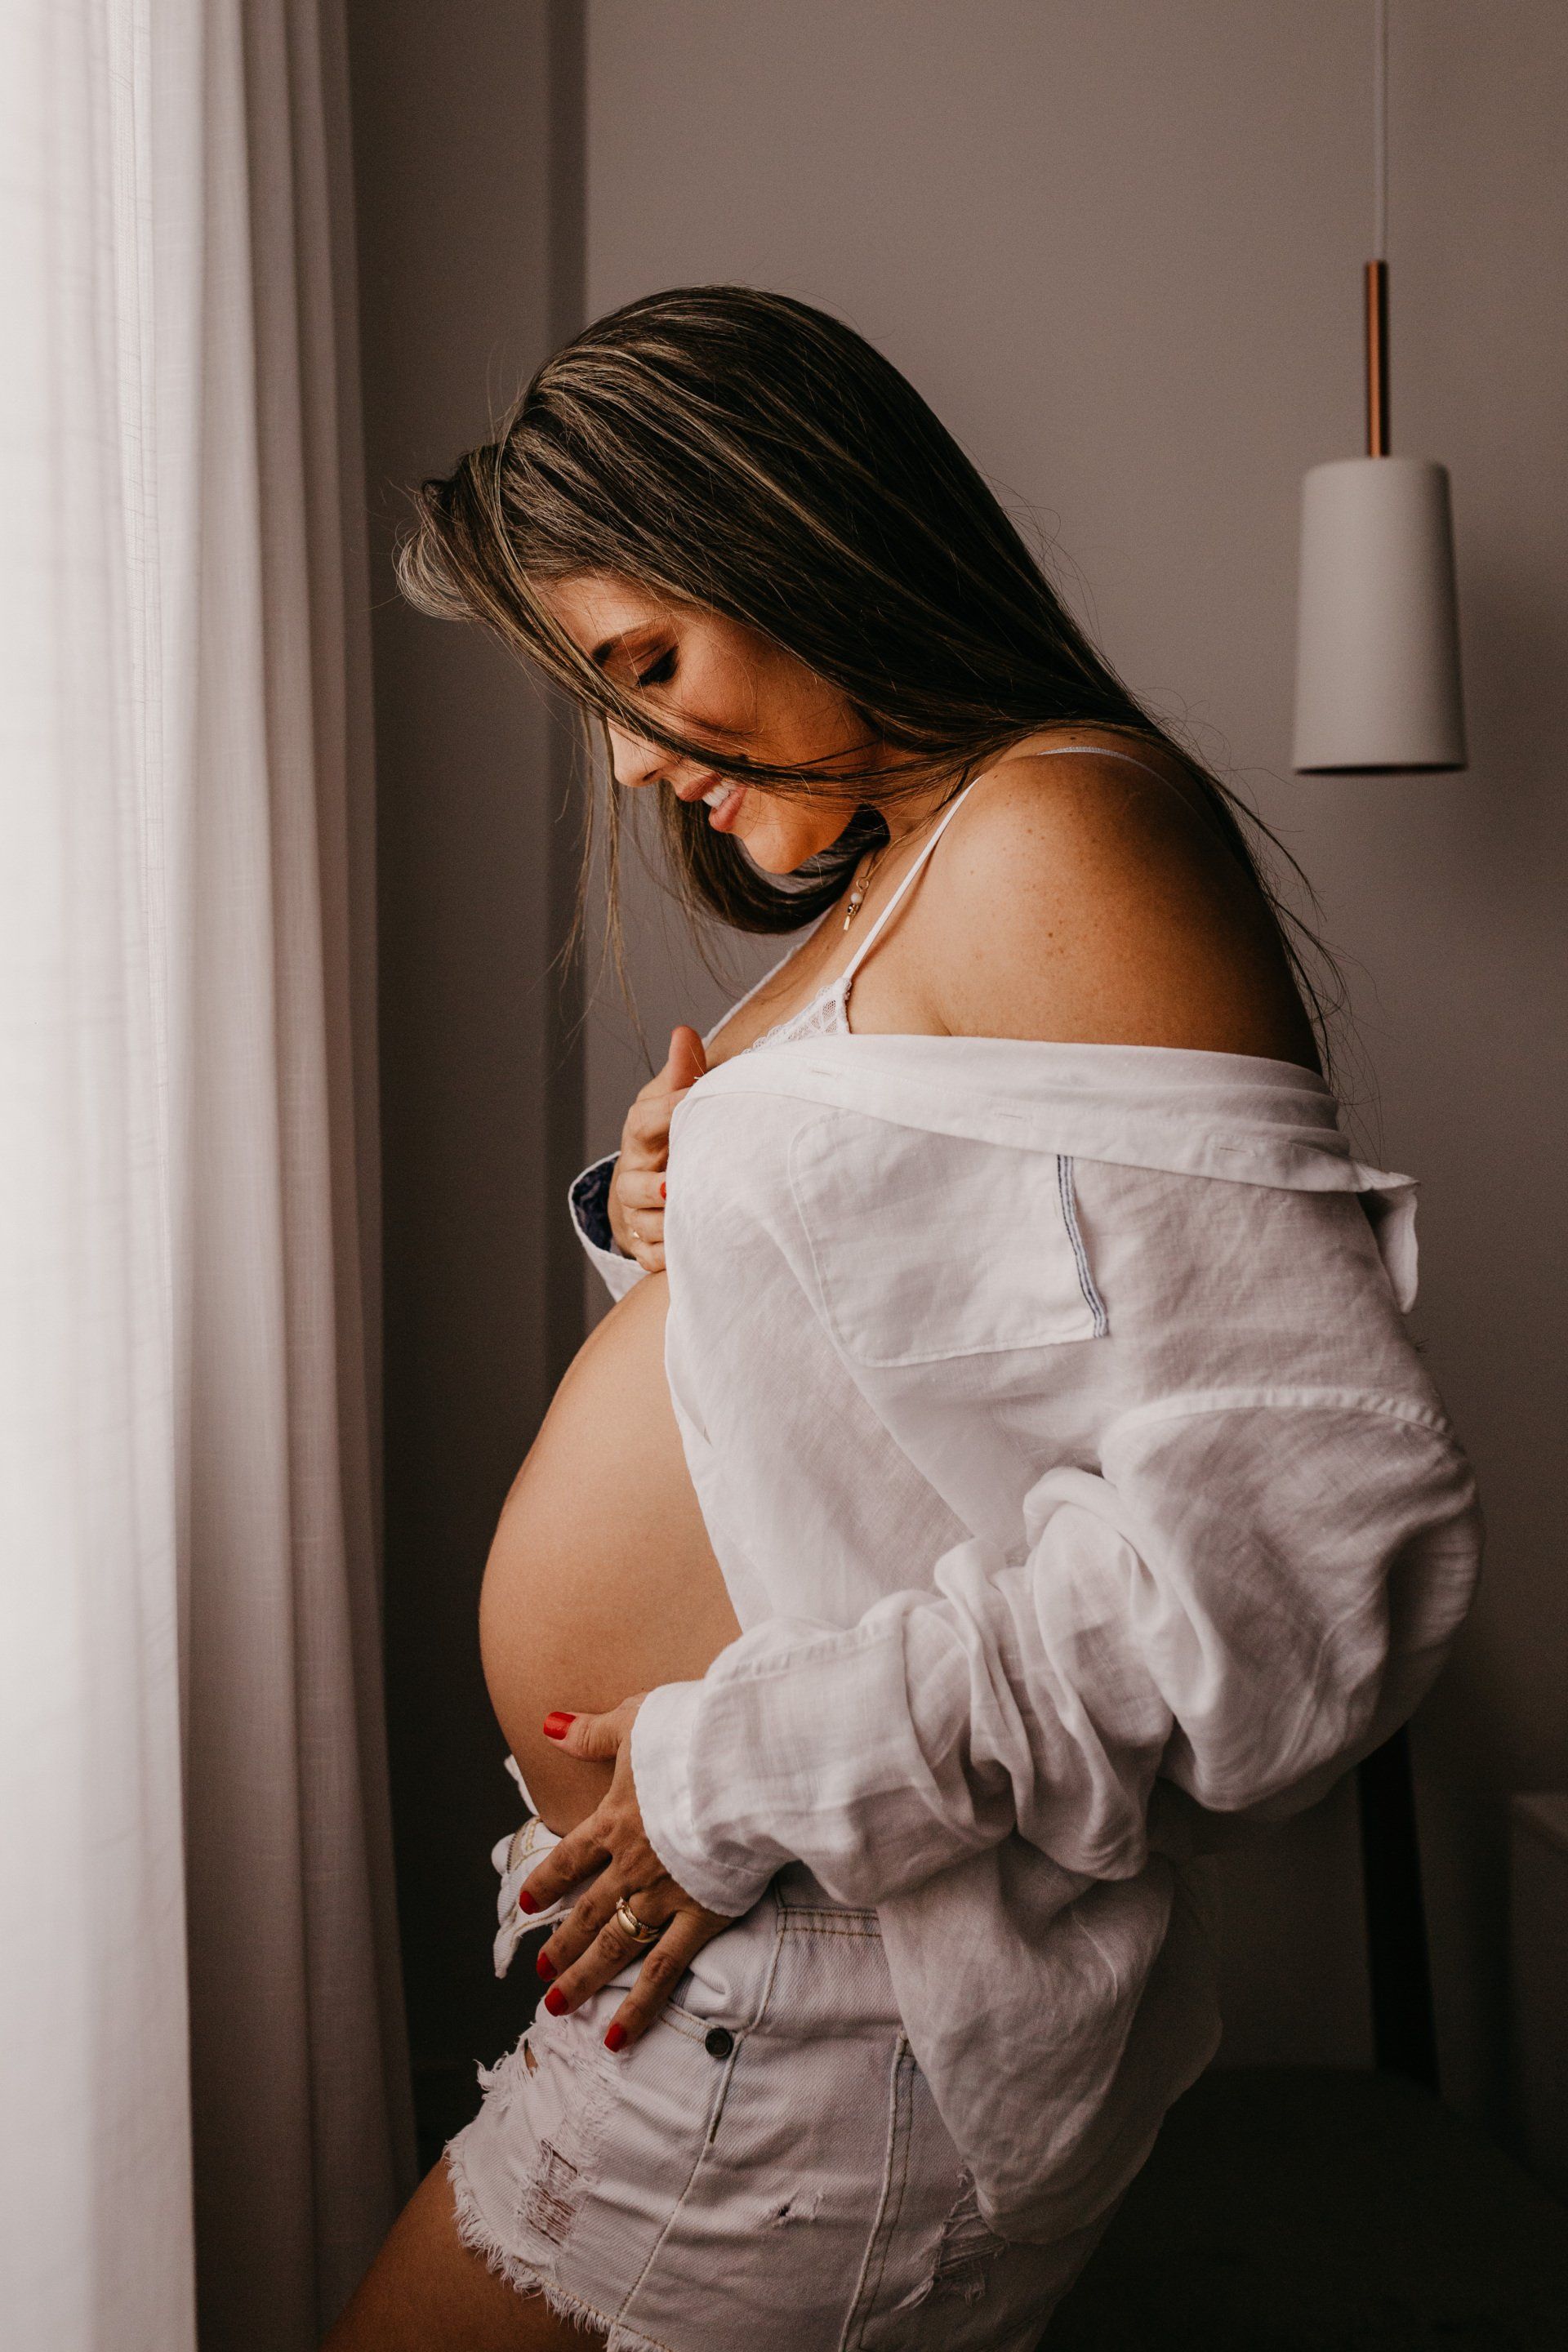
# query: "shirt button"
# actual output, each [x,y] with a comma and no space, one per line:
[719,2041]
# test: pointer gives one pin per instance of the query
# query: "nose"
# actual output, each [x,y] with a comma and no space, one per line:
[634,760]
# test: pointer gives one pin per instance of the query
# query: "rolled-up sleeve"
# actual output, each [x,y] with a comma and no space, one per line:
[1255,1588]
[588,1203]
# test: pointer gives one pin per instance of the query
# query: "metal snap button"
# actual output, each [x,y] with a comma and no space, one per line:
[719,2041]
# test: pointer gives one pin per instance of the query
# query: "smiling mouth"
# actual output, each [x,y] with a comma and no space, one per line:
[720,795]
[724,806]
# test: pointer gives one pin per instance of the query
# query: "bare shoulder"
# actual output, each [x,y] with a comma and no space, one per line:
[1080,897]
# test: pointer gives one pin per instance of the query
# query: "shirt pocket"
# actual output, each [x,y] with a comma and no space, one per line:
[926,1246]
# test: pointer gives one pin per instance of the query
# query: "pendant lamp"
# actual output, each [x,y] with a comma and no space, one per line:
[1377,662]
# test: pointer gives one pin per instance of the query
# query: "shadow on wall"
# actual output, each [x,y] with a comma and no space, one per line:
[469,189]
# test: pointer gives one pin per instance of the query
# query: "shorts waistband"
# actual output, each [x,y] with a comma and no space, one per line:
[794,1887]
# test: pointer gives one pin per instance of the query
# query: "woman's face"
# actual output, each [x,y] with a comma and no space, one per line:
[717,681]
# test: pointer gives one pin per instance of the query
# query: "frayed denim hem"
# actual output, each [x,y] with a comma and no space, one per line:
[474,2232]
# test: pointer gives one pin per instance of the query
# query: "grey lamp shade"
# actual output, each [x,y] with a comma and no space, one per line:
[1377,666]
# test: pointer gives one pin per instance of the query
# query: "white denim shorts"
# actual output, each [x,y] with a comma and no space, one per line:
[763,2169]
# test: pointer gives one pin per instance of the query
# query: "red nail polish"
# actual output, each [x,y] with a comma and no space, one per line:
[555,2001]
[557,1725]
[525,1901]
[615,2038]
[661,1191]
[545,1966]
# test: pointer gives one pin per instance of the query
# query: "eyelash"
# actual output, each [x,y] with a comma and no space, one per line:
[665,663]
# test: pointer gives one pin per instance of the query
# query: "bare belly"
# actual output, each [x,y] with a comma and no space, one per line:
[601,1581]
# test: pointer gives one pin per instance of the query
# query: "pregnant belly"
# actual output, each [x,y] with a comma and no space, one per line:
[601,1581]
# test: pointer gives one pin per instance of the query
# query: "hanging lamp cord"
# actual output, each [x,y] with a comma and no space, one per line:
[1376,288]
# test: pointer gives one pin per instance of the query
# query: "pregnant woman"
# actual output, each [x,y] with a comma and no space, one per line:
[1004,1469]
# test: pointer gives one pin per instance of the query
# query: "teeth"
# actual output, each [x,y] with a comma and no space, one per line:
[716,793]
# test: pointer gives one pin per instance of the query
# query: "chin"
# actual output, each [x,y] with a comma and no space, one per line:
[772,855]
[784,848]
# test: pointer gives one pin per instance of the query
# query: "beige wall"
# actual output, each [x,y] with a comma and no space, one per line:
[1117,244]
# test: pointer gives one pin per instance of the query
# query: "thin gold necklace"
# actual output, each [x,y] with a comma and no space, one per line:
[856,898]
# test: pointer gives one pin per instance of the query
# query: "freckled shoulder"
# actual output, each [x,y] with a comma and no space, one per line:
[1077,897]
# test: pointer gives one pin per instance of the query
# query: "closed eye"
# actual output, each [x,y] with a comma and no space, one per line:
[662,671]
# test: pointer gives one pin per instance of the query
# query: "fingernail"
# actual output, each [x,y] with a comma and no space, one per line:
[556,1727]
[615,2038]
[545,1966]
[525,1901]
[662,1190]
[555,2001]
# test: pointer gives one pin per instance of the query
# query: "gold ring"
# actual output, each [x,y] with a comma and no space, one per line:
[638,1929]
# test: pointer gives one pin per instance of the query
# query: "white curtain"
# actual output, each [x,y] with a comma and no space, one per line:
[198,1979]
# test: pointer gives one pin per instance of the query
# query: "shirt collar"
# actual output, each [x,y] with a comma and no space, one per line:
[1232,1116]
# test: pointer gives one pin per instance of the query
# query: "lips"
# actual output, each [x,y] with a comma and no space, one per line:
[720,795]
[724,807]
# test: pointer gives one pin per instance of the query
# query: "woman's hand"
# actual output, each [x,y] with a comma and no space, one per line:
[636,1192]
[590,1946]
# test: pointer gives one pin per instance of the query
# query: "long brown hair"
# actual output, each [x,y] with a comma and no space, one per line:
[745,452]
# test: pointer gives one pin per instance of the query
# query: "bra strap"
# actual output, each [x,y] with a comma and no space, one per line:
[891,908]
[920,862]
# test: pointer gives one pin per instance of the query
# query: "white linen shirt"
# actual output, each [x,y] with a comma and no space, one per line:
[1077,1490]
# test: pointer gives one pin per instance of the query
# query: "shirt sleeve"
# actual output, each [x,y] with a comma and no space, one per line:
[588,1203]
[1255,1588]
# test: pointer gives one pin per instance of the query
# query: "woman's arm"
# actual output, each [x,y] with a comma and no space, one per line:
[1255,1590]
[1256,1585]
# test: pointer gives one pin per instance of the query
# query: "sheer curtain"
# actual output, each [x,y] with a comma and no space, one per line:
[197,1962]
